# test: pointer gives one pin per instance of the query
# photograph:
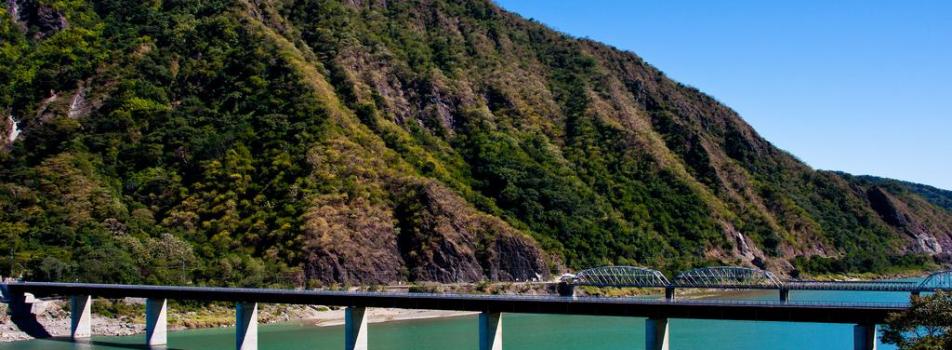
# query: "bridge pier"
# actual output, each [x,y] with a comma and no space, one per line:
[246,326]
[355,328]
[669,293]
[80,314]
[21,305]
[156,322]
[566,289]
[4,293]
[490,331]
[784,295]
[865,336]
[656,334]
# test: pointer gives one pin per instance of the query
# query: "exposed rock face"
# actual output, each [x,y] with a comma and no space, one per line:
[44,19]
[49,21]
[13,7]
[9,131]
[885,207]
[515,259]
[79,106]
[352,241]
[741,244]
[433,236]
[446,240]
[49,107]
[926,234]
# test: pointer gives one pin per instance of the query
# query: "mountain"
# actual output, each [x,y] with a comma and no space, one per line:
[255,142]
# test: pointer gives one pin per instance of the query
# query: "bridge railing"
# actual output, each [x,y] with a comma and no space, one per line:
[873,286]
[491,307]
[215,293]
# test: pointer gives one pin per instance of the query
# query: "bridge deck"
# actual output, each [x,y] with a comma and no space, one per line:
[866,286]
[860,286]
[738,277]
[855,313]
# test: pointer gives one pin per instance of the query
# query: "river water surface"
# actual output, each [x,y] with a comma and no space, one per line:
[527,332]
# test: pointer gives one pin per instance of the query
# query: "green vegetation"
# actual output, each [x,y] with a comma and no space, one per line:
[853,263]
[117,309]
[927,325]
[198,140]
[310,142]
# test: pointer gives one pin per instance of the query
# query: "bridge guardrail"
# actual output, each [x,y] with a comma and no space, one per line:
[503,297]
[744,310]
[697,302]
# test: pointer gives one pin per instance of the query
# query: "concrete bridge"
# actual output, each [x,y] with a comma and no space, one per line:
[865,317]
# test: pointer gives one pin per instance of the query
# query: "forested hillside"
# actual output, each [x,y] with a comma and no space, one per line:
[307,142]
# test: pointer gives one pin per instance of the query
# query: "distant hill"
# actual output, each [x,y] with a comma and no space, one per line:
[365,141]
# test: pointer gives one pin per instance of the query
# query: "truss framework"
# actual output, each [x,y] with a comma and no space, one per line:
[620,276]
[736,277]
[941,280]
[726,277]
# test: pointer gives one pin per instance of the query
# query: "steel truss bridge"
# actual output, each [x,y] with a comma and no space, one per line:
[739,278]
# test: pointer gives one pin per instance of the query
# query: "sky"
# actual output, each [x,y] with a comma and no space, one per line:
[861,86]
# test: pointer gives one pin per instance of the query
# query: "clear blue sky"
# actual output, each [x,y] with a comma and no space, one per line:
[858,86]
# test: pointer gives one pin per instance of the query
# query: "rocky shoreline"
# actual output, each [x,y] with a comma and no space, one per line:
[54,316]
[126,316]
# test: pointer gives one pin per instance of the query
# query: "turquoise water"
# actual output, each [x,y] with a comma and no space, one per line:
[523,331]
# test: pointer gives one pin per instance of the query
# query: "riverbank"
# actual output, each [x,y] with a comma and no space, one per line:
[54,316]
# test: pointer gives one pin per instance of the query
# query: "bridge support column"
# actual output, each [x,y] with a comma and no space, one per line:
[669,293]
[784,295]
[156,321]
[81,316]
[246,326]
[864,337]
[656,334]
[22,305]
[490,331]
[355,328]
[566,289]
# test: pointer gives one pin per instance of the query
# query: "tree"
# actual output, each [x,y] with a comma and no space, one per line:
[926,325]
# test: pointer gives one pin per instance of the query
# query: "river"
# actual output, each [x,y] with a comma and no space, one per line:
[527,332]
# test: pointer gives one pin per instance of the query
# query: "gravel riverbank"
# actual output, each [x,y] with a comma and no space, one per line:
[54,316]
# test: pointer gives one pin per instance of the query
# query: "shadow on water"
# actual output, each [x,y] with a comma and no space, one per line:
[84,344]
